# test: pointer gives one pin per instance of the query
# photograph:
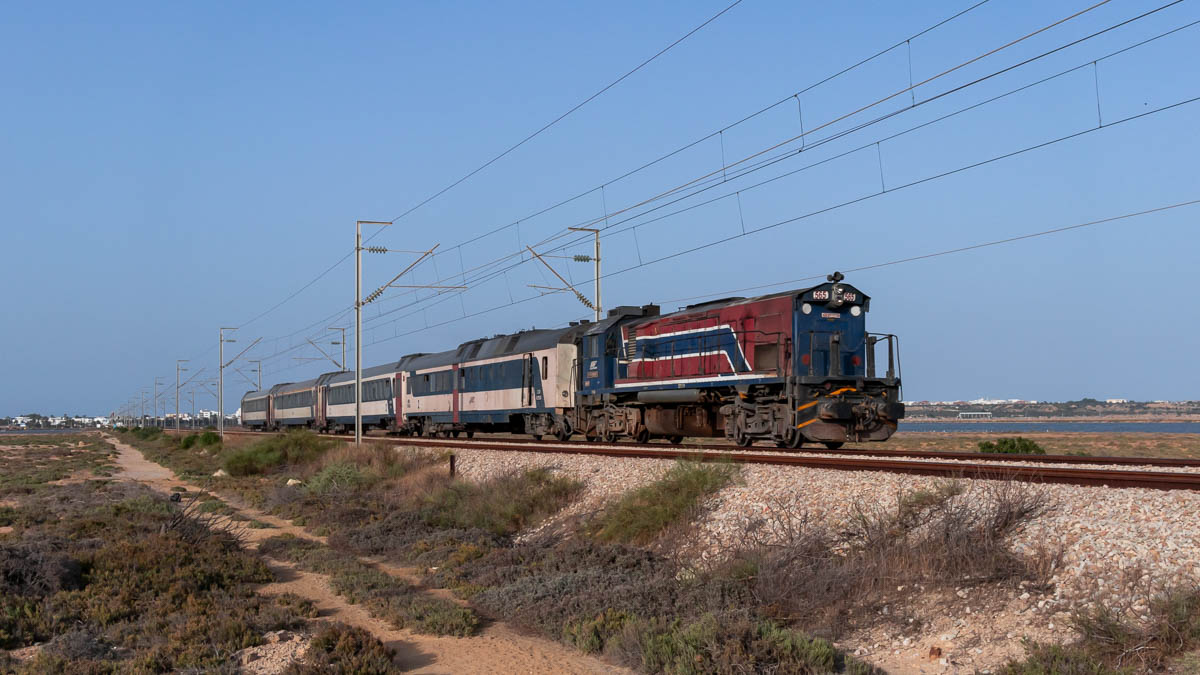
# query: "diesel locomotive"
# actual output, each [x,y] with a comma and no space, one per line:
[791,368]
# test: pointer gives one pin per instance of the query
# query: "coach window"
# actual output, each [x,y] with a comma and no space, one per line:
[545,369]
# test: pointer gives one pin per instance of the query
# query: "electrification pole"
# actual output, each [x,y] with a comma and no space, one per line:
[221,375]
[156,400]
[359,301]
[257,369]
[221,380]
[341,342]
[596,258]
[177,371]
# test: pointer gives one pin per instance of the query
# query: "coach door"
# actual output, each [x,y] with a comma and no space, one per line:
[527,382]
[398,402]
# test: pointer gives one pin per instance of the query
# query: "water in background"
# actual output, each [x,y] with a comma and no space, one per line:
[26,432]
[1033,426]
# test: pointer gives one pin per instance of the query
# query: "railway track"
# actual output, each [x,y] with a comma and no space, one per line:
[998,466]
[693,448]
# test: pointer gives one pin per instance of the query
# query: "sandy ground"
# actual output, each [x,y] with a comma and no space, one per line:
[497,649]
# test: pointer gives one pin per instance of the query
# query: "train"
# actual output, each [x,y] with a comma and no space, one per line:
[793,368]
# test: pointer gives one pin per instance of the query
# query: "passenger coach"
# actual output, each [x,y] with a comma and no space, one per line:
[522,383]
[379,402]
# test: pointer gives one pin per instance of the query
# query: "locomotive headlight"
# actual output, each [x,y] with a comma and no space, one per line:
[806,308]
[855,310]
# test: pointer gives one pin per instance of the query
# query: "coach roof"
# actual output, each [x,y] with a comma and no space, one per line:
[373,371]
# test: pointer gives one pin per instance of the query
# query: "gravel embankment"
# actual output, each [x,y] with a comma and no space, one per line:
[1104,530]
[1112,539]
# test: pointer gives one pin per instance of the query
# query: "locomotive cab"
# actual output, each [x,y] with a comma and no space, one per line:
[838,394]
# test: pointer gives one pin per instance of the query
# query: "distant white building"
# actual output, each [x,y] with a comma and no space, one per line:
[1116,400]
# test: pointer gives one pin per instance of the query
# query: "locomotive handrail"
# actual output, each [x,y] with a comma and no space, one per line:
[835,347]
[893,340]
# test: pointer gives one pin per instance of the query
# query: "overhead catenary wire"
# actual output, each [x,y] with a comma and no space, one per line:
[949,251]
[831,208]
[727,127]
[628,227]
[646,165]
[713,174]
[900,261]
[806,215]
[651,262]
[501,155]
[563,116]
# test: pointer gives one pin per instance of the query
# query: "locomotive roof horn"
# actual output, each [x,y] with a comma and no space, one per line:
[836,277]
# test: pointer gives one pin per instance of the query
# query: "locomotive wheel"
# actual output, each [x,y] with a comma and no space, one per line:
[675,440]
[742,437]
[792,440]
[610,437]
[834,445]
[470,434]
[536,437]
[643,436]
[562,434]
[454,433]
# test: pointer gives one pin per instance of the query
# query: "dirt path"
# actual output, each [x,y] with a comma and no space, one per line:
[497,649]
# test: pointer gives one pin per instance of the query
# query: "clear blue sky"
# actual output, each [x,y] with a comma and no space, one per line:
[169,168]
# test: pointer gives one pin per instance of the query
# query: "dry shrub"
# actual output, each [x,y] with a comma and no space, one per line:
[935,538]
[1148,629]
[1168,626]
[203,516]
[38,567]
[342,649]
[383,595]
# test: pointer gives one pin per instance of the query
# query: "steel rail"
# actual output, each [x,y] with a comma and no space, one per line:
[1158,480]
[881,452]
[851,452]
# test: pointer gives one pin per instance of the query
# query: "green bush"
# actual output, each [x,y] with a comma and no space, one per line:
[589,635]
[728,645]
[204,439]
[501,506]
[1012,446]
[295,447]
[146,433]
[643,514]
[1048,659]
[338,477]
